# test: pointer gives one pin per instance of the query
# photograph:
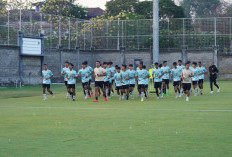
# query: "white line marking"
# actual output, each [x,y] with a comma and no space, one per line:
[122,109]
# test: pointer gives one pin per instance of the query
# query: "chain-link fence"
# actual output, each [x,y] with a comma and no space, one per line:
[70,33]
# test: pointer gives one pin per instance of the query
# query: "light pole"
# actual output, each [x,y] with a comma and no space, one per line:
[155,31]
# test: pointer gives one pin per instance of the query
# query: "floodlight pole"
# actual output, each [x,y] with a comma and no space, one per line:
[155,31]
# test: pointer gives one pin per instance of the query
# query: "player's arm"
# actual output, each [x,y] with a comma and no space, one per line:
[111,75]
[63,72]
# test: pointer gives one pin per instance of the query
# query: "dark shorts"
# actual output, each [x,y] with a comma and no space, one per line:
[118,87]
[186,86]
[90,82]
[132,85]
[99,84]
[66,83]
[140,86]
[194,82]
[158,85]
[125,86]
[106,84]
[146,86]
[85,84]
[46,86]
[201,81]
[71,86]
[166,81]
[110,84]
[176,83]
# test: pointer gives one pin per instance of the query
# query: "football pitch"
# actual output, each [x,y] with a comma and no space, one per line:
[32,127]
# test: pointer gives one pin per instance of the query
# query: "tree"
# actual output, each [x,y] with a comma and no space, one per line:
[64,8]
[201,8]
[168,9]
[115,7]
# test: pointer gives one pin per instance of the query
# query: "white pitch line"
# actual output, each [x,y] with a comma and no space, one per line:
[122,109]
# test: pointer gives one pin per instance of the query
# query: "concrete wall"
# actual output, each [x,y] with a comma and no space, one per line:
[9,61]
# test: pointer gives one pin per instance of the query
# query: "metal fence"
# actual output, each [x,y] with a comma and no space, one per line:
[69,33]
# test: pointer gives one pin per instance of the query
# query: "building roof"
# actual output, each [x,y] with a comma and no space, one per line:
[93,12]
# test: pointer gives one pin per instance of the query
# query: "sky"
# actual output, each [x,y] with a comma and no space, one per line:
[101,3]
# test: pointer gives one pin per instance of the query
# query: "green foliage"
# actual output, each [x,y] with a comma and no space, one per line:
[201,8]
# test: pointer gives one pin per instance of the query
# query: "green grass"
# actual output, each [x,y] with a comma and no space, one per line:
[169,127]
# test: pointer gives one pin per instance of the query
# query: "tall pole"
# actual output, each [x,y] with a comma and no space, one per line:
[155,31]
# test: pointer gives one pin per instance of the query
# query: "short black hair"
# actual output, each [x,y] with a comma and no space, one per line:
[156,63]
[174,63]
[140,62]
[164,62]
[110,63]
[160,65]
[118,68]
[144,67]
[71,64]
[131,65]
[98,62]
[199,62]
[124,65]
[187,63]
[195,63]
[105,63]
[66,62]
[45,64]
[180,61]
[86,62]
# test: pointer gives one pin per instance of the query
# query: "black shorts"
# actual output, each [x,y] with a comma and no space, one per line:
[106,84]
[132,85]
[158,85]
[118,87]
[99,84]
[90,82]
[176,83]
[140,86]
[46,86]
[194,82]
[166,81]
[186,86]
[146,86]
[71,86]
[85,84]
[110,84]
[125,86]
[66,83]
[201,81]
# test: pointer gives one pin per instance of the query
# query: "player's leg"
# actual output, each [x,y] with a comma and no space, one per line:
[142,92]
[44,92]
[96,91]
[127,92]
[167,85]
[215,84]
[86,90]
[66,85]
[164,87]
[73,92]
[49,91]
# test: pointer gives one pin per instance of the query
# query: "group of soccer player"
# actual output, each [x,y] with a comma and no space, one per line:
[125,79]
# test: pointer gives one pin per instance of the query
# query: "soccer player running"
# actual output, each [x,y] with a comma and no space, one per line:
[99,74]
[146,82]
[195,79]
[201,76]
[118,82]
[89,76]
[63,72]
[72,79]
[180,67]
[176,75]
[83,73]
[111,80]
[46,77]
[213,71]
[141,81]
[132,80]
[157,75]
[107,78]
[166,77]
[186,77]
[125,81]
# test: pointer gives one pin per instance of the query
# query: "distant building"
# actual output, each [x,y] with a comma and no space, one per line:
[94,12]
